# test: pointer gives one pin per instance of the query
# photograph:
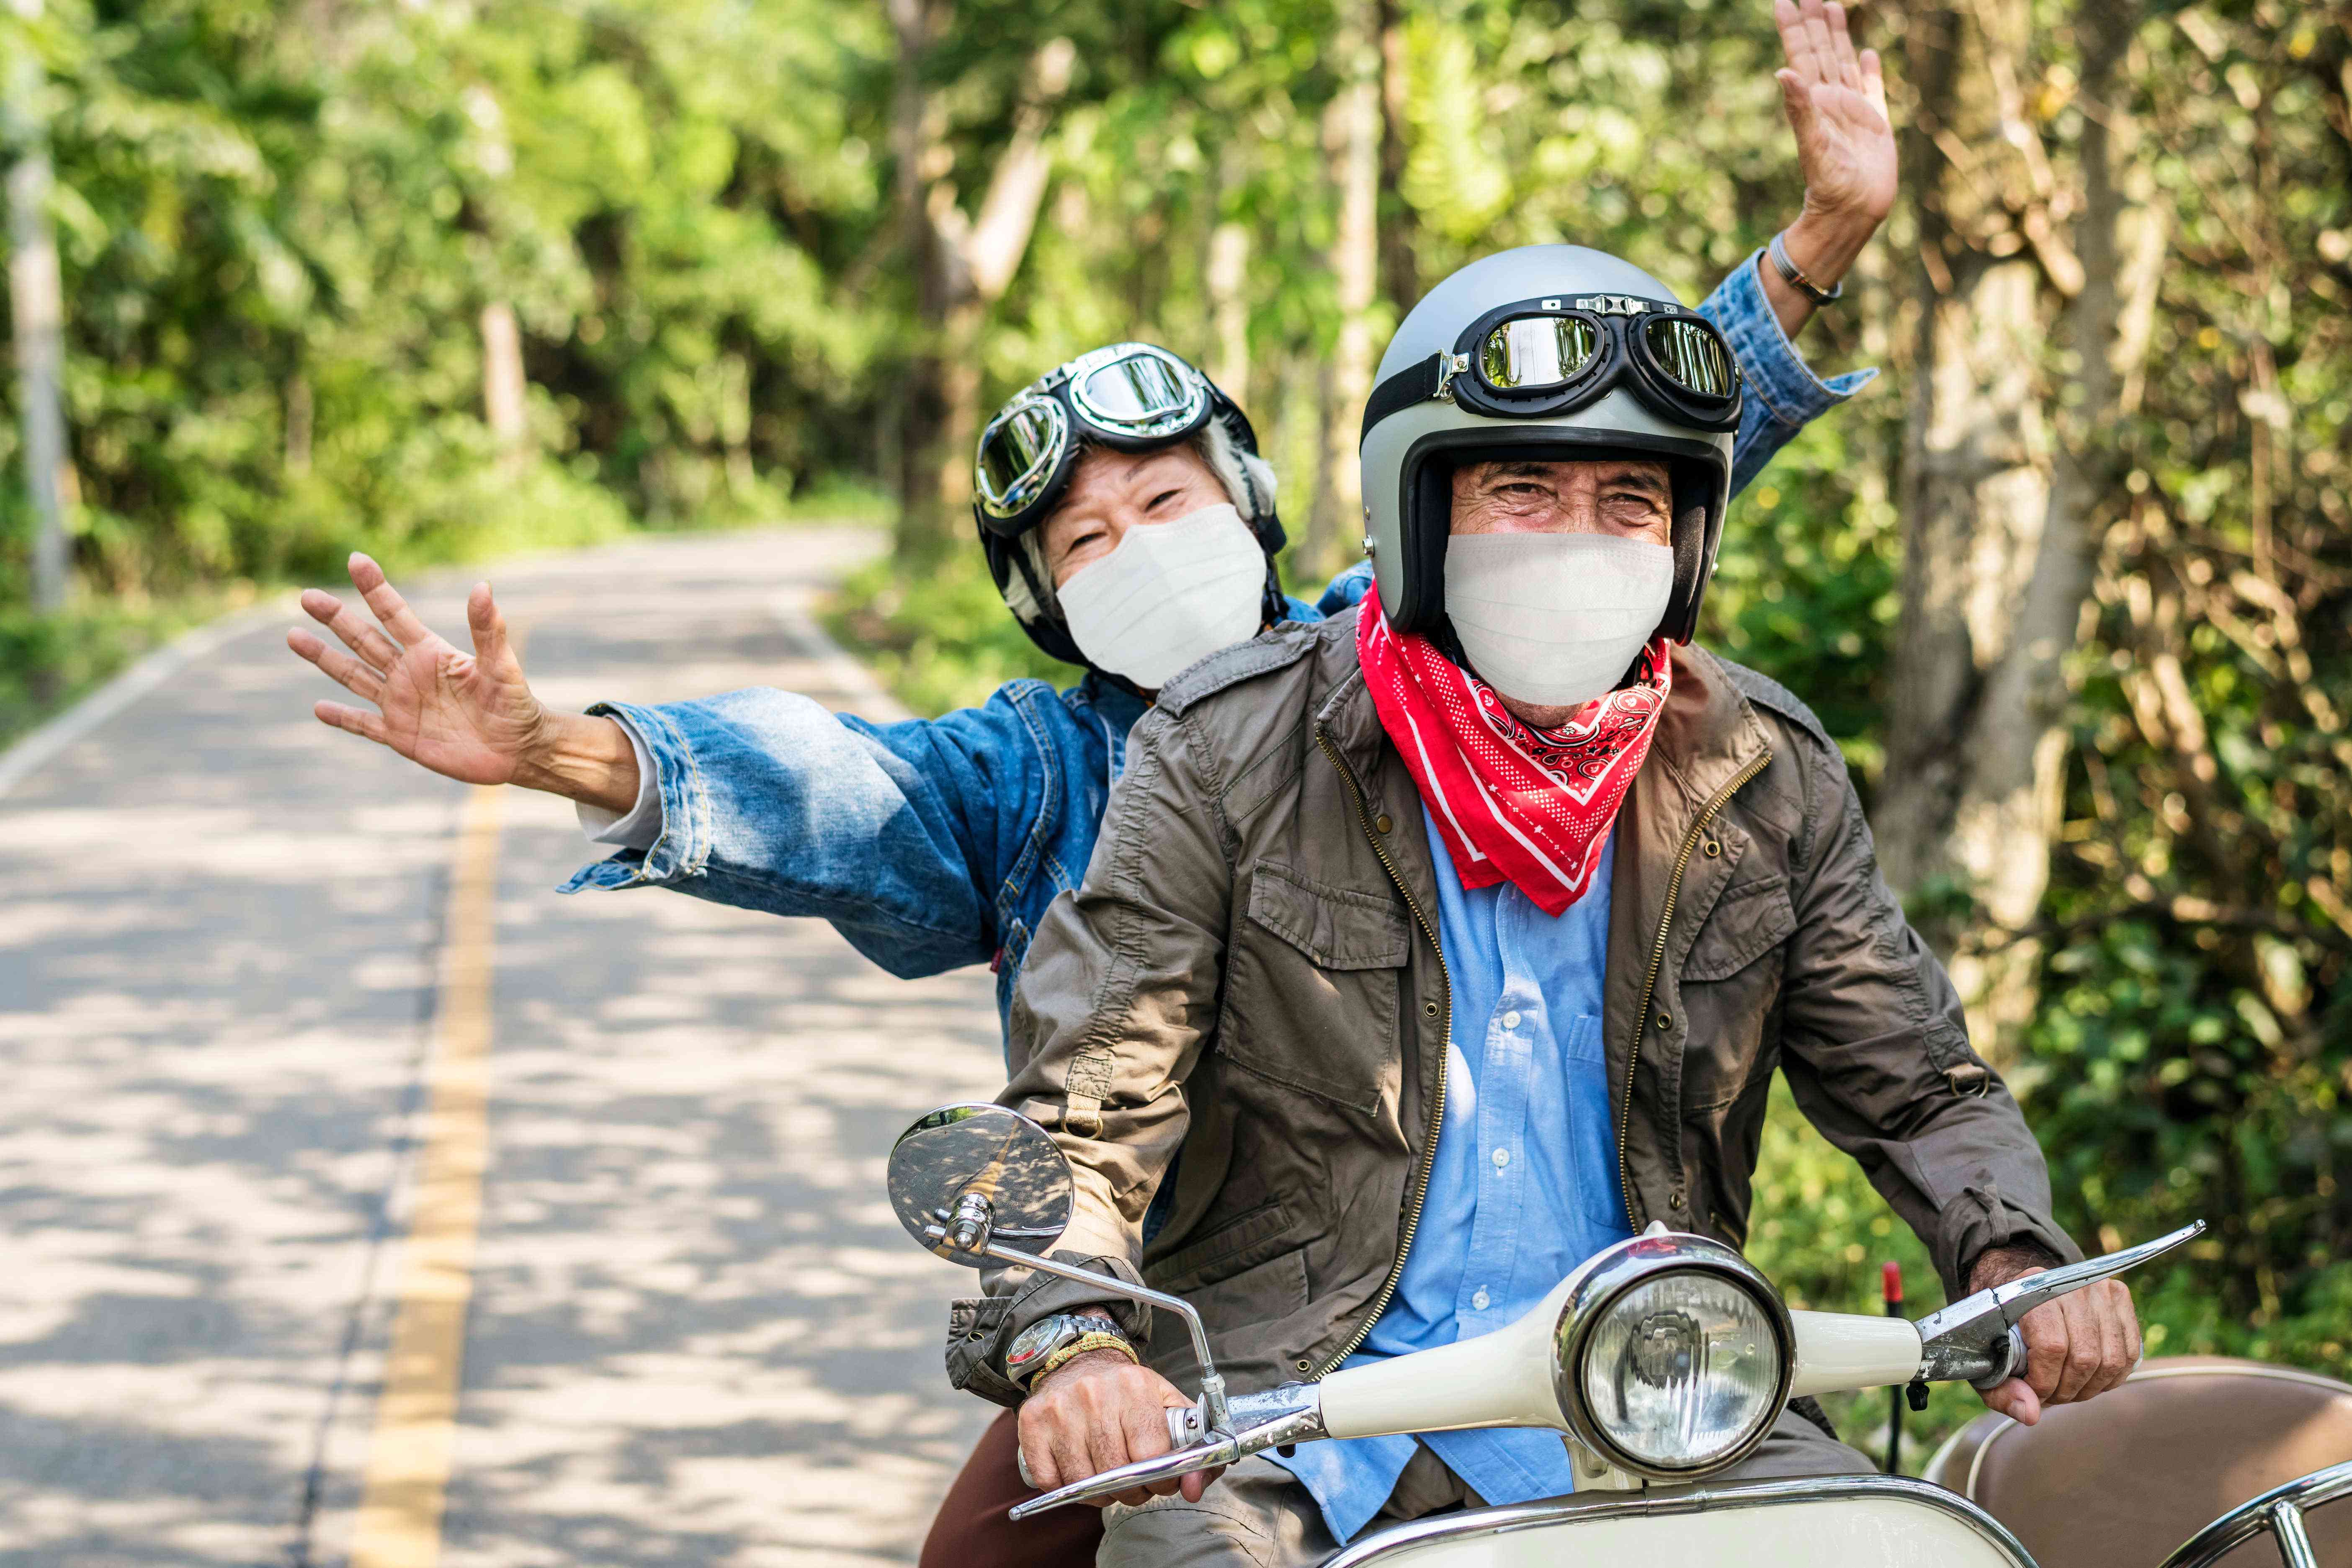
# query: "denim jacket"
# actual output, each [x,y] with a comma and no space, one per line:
[937,843]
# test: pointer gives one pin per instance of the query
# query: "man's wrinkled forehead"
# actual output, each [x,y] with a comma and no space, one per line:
[1645,473]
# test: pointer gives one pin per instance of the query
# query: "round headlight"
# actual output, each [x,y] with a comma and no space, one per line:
[1683,1369]
[1673,1356]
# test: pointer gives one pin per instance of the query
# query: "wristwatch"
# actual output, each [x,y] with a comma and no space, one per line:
[1035,1346]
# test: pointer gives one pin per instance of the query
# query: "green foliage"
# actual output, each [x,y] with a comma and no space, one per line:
[1820,1233]
[939,641]
[46,661]
[280,226]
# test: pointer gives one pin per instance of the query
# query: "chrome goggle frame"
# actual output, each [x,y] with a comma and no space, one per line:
[1670,358]
[1032,439]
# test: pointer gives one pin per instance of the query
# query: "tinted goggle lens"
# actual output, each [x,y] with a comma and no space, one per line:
[1139,390]
[1691,355]
[1538,353]
[1018,451]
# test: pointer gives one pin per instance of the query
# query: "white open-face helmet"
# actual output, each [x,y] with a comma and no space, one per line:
[1547,352]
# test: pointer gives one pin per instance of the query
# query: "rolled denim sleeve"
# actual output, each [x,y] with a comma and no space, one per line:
[1783,393]
[892,833]
[1345,591]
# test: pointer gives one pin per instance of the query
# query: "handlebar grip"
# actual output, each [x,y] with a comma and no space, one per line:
[1185,1430]
[2005,1359]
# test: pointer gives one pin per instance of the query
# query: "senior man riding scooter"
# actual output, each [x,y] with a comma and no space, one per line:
[1436,947]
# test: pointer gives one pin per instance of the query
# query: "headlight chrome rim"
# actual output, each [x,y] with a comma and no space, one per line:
[1606,1279]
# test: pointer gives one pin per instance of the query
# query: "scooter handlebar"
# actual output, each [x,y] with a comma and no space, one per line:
[1976,1339]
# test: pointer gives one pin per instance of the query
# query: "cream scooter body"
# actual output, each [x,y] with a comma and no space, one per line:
[981,1185]
[1867,1522]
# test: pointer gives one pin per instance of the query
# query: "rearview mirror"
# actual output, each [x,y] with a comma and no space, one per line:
[965,1176]
[978,1184]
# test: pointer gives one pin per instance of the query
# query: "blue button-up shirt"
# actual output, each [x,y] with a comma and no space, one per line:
[1524,1186]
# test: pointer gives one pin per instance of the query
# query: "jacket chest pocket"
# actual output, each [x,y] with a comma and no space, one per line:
[1730,981]
[1312,982]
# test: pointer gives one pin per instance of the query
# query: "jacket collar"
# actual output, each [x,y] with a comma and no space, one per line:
[1708,736]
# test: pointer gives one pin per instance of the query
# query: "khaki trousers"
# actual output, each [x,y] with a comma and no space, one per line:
[1259,1516]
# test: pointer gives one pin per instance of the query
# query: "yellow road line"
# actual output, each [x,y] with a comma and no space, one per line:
[399,1522]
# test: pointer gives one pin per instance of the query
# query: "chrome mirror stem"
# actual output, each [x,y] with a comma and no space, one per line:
[968,1231]
[1212,1383]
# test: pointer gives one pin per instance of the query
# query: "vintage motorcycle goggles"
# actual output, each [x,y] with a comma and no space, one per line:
[1133,397]
[1542,358]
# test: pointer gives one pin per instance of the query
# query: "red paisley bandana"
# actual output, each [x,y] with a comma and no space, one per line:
[1510,801]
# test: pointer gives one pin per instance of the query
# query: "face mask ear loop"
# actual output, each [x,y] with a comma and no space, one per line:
[1048,605]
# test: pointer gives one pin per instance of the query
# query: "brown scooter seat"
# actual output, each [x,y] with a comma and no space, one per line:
[2122,1480]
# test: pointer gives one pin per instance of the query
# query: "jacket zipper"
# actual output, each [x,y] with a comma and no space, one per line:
[1658,958]
[1437,1100]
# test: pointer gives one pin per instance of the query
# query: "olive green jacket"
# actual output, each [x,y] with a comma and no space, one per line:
[1250,977]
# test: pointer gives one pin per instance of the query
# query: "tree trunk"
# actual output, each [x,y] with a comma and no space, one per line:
[1400,271]
[1998,505]
[502,378]
[38,305]
[1352,138]
[964,265]
[300,414]
[1323,508]
[1227,276]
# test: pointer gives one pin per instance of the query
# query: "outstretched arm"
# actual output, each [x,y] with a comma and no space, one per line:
[468,717]
[1835,99]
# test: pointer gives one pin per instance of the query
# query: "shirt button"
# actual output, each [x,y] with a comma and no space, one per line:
[1510,1020]
[1478,1302]
[1502,1158]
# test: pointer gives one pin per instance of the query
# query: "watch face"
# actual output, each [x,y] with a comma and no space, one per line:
[1032,1344]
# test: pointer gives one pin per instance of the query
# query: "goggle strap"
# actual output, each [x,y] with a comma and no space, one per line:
[1414,384]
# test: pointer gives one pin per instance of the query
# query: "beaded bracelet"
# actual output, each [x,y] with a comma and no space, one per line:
[1096,1340]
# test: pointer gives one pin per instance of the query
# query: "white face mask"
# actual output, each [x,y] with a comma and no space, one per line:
[1555,619]
[1168,596]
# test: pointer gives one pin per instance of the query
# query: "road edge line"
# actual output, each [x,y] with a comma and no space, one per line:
[43,744]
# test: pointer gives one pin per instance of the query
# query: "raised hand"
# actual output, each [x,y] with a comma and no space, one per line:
[466,716]
[1836,103]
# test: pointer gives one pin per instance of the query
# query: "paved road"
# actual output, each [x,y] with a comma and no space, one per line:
[695,1335]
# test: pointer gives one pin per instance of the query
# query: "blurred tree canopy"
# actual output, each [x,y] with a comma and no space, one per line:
[442,278]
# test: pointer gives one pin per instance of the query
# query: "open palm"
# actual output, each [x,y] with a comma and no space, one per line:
[469,716]
[1835,99]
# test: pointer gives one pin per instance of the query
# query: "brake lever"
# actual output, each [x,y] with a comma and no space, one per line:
[1976,1340]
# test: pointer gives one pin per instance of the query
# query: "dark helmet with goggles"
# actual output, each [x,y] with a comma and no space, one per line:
[1130,397]
[1549,353]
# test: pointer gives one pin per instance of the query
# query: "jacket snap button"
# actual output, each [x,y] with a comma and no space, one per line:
[1382,821]
[1713,848]
[1429,1008]
[1665,1020]
[1303,1364]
